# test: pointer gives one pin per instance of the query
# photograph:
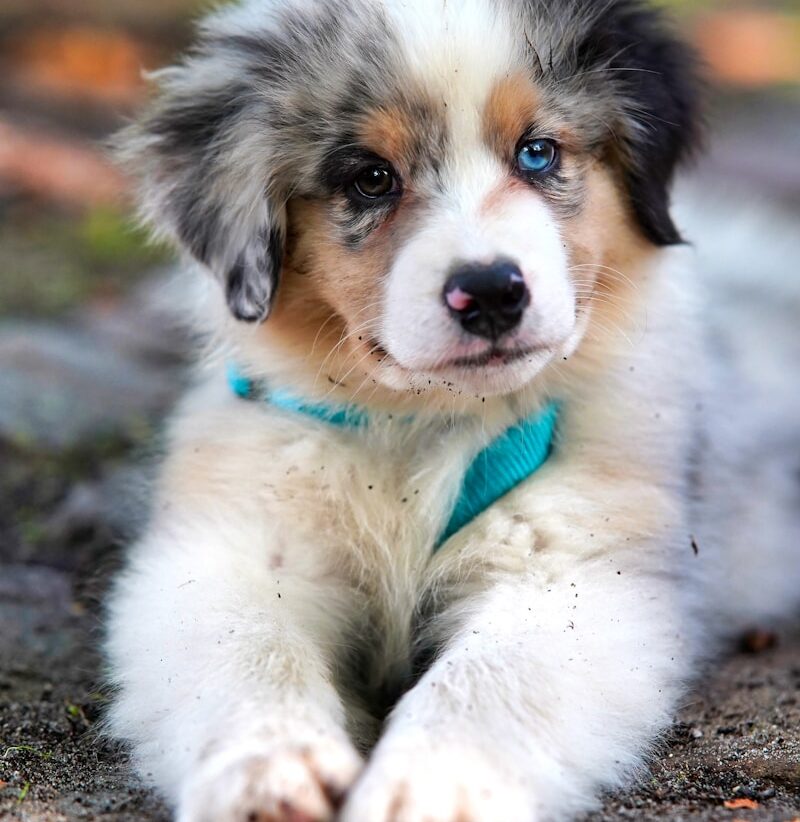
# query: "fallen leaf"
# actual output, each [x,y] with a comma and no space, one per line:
[741,805]
[758,641]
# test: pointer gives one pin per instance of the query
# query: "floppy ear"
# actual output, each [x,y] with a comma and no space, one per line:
[203,167]
[654,79]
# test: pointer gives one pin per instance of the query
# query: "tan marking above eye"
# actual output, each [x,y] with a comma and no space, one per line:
[514,104]
[388,132]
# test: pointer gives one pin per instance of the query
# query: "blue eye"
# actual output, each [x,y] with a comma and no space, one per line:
[537,157]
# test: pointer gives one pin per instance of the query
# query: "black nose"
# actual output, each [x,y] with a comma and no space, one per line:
[488,300]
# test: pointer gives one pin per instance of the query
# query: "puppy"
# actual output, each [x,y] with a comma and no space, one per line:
[434,538]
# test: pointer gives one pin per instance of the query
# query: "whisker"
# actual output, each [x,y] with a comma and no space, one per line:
[333,316]
[340,378]
[343,340]
[611,330]
[606,269]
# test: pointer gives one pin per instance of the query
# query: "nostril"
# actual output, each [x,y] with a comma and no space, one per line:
[516,295]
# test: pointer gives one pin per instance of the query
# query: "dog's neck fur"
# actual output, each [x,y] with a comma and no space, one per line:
[505,462]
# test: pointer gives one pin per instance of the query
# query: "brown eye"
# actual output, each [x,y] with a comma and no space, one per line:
[375,182]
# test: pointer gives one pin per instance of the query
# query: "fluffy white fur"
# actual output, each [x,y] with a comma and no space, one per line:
[567,618]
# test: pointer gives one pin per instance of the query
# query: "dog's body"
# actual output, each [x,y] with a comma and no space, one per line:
[288,590]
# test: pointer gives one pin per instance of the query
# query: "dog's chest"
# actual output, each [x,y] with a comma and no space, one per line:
[360,512]
[380,505]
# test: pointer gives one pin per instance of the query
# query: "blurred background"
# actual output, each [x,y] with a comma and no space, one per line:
[89,363]
[70,72]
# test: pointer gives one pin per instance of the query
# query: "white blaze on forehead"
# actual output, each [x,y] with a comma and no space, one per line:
[457,50]
[463,45]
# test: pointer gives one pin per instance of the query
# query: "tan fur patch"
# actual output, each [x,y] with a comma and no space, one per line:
[389,133]
[607,252]
[512,107]
[329,303]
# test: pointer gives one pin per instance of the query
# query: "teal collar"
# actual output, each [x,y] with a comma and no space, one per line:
[342,416]
[504,464]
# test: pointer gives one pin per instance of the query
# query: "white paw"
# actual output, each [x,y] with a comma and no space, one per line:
[448,784]
[264,782]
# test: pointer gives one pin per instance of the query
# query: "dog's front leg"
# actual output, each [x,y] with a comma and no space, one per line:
[221,643]
[552,679]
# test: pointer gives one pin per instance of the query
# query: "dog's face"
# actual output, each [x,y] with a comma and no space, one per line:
[422,195]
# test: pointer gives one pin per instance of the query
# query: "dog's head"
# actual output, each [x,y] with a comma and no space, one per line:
[420,194]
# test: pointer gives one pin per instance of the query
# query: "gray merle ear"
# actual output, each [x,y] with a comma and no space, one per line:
[655,82]
[202,160]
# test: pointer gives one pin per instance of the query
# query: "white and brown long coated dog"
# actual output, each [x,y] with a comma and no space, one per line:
[447,215]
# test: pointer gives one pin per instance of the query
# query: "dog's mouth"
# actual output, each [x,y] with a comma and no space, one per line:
[494,357]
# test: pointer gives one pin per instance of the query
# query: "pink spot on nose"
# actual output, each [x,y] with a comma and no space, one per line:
[459,300]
